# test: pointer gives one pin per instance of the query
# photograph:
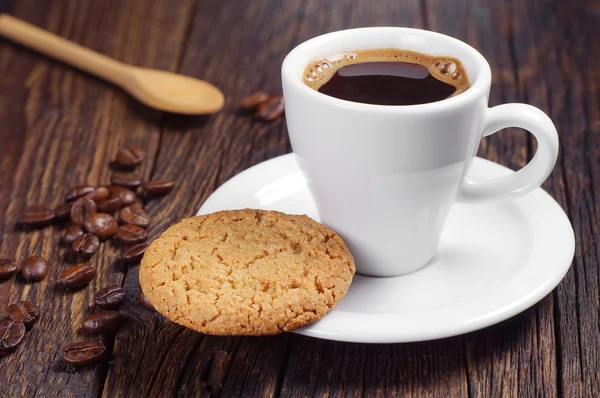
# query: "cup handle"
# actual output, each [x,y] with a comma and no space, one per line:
[529,177]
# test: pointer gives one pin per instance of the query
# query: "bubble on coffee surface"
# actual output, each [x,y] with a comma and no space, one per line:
[448,67]
[444,68]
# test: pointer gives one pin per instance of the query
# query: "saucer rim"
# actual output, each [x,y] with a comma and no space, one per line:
[546,285]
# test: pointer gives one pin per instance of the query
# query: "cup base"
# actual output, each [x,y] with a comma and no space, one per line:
[405,271]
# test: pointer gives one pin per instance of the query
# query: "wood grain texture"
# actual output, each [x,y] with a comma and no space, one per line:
[521,359]
[63,127]
[59,127]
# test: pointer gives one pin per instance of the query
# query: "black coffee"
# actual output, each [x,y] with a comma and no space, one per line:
[387,77]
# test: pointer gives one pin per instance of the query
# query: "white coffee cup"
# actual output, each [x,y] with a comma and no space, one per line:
[385,177]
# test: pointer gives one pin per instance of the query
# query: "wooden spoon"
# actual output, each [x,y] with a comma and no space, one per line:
[159,89]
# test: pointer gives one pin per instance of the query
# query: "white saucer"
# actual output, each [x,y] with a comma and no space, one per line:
[494,261]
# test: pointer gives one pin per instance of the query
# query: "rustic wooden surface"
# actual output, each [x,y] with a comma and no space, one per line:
[59,128]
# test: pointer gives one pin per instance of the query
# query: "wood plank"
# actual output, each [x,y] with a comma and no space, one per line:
[64,127]
[325,368]
[519,358]
[567,80]
[201,153]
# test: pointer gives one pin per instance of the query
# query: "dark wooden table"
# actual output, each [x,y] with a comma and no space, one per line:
[59,128]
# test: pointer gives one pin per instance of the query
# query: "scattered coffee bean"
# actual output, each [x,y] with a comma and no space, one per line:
[77,276]
[127,180]
[85,245]
[110,297]
[133,254]
[127,195]
[82,209]
[34,268]
[134,216]
[110,205]
[102,322]
[270,109]
[72,232]
[63,211]
[137,204]
[131,234]
[252,101]
[158,187]
[98,194]
[130,156]
[78,192]
[83,353]
[11,334]
[8,268]
[102,225]
[24,311]
[37,215]
[144,301]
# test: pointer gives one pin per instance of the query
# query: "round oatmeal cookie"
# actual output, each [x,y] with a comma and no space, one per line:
[246,272]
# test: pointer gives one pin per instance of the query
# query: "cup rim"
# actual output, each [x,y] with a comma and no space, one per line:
[478,89]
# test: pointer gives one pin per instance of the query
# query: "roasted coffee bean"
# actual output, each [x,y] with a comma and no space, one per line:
[82,209]
[131,234]
[158,187]
[98,194]
[102,225]
[11,334]
[270,109]
[72,232]
[24,311]
[252,101]
[63,211]
[34,268]
[134,216]
[130,156]
[102,322]
[86,245]
[110,205]
[77,276]
[133,254]
[144,301]
[83,353]
[127,180]
[37,215]
[110,297]
[78,192]
[127,195]
[8,268]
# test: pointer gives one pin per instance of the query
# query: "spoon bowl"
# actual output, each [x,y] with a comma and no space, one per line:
[171,92]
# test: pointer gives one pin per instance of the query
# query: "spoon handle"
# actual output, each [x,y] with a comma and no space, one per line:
[63,50]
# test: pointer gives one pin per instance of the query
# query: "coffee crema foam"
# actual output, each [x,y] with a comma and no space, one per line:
[444,68]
